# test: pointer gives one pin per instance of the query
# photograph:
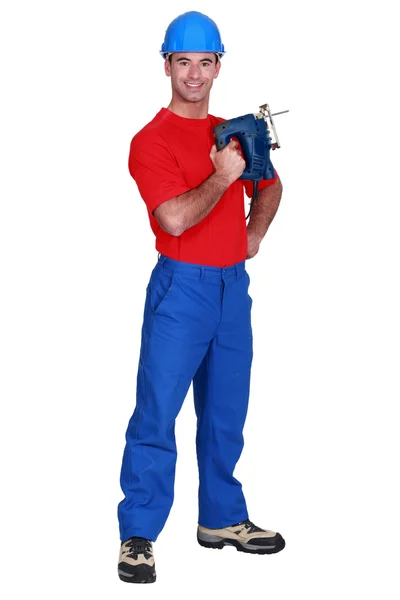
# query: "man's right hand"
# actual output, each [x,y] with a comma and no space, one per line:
[228,162]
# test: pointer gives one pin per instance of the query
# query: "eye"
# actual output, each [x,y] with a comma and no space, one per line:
[206,64]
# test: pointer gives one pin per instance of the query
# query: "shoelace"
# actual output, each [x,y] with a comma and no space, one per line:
[250,526]
[138,546]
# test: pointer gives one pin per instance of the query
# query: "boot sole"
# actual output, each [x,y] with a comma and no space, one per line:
[240,547]
[141,574]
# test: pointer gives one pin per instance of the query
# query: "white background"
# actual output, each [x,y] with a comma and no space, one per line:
[320,462]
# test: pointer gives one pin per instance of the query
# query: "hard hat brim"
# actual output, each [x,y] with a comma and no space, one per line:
[167,54]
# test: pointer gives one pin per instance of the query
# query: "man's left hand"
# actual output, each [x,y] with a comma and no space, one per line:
[253,244]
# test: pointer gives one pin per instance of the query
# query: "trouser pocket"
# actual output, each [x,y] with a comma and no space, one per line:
[159,288]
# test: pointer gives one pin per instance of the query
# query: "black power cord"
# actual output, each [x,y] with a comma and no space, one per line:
[253,198]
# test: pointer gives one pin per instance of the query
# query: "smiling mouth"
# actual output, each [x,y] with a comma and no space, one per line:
[193,86]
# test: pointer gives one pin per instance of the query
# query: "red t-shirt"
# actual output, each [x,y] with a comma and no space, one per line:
[170,156]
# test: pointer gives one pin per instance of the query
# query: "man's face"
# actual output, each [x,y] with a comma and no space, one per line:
[192,74]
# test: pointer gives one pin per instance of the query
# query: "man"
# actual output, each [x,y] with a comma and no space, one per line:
[196,324]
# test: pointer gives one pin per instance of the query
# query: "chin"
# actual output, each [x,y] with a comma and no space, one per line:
[194,97]
[191,99]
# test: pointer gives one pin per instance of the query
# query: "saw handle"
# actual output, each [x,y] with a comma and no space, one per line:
[255,142]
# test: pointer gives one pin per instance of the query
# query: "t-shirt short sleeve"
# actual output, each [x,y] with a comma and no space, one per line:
[248,185]
[155,170]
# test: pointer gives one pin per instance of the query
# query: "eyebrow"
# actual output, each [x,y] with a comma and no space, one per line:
[202,60]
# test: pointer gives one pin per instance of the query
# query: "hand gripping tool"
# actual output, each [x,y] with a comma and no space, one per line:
[253,134]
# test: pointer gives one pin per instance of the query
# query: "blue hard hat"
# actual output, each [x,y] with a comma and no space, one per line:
[192,32]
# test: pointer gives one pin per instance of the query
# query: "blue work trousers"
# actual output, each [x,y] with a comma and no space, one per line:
[196,327]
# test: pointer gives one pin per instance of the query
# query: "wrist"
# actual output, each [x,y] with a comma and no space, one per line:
[222,178]
[256,235]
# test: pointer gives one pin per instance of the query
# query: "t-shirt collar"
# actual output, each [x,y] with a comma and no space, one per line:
[165,113]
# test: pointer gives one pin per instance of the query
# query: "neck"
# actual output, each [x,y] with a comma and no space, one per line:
[189,110]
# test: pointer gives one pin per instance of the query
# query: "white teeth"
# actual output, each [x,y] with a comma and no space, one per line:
[194,84]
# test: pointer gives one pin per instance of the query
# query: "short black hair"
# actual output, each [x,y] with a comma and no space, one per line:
[170,58]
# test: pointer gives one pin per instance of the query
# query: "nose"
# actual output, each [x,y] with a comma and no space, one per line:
[194,71]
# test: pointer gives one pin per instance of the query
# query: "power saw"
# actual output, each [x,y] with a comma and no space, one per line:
[253,132]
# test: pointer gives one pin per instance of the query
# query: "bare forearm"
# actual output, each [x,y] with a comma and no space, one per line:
[188,209]
[176,215]
[264,209]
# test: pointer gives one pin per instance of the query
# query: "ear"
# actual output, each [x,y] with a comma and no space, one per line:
[167,67]
[217,69]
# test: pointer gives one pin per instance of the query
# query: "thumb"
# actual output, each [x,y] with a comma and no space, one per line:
[213,151]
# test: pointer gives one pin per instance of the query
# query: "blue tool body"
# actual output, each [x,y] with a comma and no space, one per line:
[255,141]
